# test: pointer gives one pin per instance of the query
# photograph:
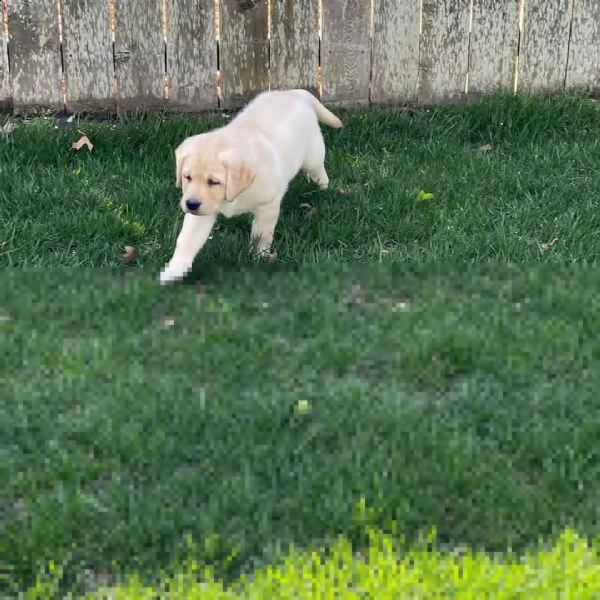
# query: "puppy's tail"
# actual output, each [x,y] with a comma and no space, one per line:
[323,114]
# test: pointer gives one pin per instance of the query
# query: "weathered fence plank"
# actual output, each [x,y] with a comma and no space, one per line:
[294,44]
[5,87]
[544,47]
[34,54]
[244,50]
[395,52]
[139,54]
[584,50]
[88,59]
[444,51]
[379,51]
[346,51]
[192,54]
[494,46]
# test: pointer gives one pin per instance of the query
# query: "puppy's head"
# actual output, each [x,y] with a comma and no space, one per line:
[210,173]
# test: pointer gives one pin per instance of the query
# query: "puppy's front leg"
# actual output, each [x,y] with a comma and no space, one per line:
[193,235]
[263,226]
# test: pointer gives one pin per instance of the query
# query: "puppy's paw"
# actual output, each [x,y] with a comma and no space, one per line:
[171,274]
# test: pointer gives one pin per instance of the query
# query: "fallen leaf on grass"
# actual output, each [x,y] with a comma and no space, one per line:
[82,141]
[129,254]
[387,250]
[309,210]
[423,195]
[200,291]
[169,322]
[356,295]
[343,191]
[400,305]
[485,148]
[8,128]
[549,244]
[5,318]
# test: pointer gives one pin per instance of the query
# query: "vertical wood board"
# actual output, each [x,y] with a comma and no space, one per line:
[139,54]
[294,44]
[544,47]
[494,46]
[395,51]
[244,50]
[88,59]
[34,54]
[584,50]
[192,54]
[5,87]
[346,51]
[444,51]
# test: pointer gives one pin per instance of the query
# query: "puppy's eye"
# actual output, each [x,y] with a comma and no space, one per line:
[212,182]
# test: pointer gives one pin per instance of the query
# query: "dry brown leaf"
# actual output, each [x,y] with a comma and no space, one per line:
[129,254]
[169,322]
[309,209]
[5,318]
[549,244]
[343,191]
[485,148]
[356,294]
[82,141]
[8,128]
[387,250]
[271,257]
[200,291]
[400,305]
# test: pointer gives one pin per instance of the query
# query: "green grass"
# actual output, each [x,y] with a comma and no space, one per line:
[386,570]
[450,390]
[60,207]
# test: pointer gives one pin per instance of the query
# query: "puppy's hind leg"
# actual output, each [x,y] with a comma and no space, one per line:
[314,162]
[263,226]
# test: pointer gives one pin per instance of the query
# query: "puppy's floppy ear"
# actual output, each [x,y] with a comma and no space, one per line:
[240,174]
[179,158]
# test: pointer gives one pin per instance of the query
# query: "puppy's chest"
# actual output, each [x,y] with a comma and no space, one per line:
[242,204]
[232,209]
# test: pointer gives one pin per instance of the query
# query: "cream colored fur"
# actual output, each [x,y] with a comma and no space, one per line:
[246,166]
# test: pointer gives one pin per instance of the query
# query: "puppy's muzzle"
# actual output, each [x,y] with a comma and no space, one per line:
[192,204]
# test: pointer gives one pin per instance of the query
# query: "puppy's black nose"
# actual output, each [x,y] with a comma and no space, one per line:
[193,204]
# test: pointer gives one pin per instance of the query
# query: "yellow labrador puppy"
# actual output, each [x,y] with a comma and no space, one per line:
[246,166]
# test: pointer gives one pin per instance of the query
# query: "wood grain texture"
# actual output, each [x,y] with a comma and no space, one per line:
[494,46]
[88,58]
[346,51]
[5,87]
[139,54]
[584,50]
[34,55]
[395,52]
[192,54]
[244,51]
[444,59]
[544,46]
[294,44]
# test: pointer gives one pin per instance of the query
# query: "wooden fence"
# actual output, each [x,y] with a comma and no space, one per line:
[101,55]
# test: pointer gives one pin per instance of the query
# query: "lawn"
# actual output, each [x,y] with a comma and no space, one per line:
[261,404]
